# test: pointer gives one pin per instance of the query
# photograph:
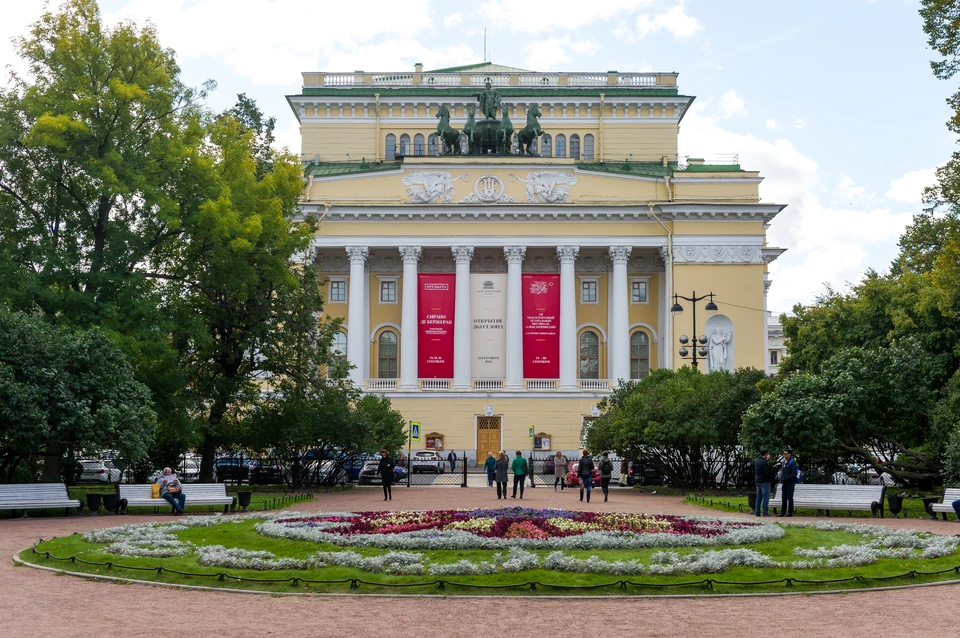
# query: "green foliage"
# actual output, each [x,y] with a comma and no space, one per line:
[684,423]
[66,391]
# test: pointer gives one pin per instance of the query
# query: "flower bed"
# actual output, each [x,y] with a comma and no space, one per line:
[515,527]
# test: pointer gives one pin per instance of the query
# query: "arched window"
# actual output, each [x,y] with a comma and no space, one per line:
[561,145]
[639,355]
[432,145]
[575,146]
[387,355]
[418,144]
[589,355]
[391,148]
[546,145]
[404,144]
[588,146]
[338,347]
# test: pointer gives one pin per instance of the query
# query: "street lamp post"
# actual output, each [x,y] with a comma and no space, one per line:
[699,344]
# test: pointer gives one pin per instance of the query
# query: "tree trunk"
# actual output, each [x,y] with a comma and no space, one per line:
[209,449]
[52,465]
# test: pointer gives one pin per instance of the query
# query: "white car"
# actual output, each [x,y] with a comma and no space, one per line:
[427,462]
[99,471]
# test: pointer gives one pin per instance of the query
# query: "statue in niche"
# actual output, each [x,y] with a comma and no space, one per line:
[489,100]
[717,354]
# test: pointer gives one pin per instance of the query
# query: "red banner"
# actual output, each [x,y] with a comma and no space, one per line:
[541,326]
[435,305]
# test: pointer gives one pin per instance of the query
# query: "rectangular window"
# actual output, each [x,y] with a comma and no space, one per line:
[774,357]
[588,292]
[638,292]
[338,291]
[388,291]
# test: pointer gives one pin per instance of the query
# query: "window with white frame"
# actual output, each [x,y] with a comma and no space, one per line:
[338,291]
[588,291]
[390,150]
[639,290]
[774,357]
[588,146]
[639,355]
[338,347]
[418,144]
[388,291]
[589,355]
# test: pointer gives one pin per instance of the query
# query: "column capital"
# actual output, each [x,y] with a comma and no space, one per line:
[620,254]
[410,254]
[567,254]
[357,254]
[462,254]
[514,254]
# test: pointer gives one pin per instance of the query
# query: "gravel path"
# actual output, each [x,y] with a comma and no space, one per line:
[36,603]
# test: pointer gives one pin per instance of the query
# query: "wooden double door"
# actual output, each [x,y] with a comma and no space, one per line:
[488,437]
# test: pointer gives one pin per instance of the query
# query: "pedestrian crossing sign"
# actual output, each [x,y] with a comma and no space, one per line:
[530,432]
[414,430]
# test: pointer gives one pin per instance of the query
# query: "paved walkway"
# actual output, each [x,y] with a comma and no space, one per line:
[37,604]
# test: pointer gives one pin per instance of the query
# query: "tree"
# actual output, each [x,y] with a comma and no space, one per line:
[65,391]
[683,423]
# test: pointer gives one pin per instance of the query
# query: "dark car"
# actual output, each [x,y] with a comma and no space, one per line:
[268,473]
[370,475]
[232,469]
[635,473]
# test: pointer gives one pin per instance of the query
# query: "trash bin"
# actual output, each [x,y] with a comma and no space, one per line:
[927,502]
[110,503]
[895,502]
[243,499]
[93,503]
[752,501]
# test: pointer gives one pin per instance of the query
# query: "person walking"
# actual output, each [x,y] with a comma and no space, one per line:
[519,467]
[585,474]
[452,458]
[490,465]
[788,478]
[530,472]
[762,477]
[500,474]
[559,471]
[606,472]
[385,470]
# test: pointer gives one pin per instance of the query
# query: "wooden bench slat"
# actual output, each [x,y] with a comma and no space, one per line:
[24,496]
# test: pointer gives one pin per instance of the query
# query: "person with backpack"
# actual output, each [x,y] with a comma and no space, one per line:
[789,477]
[500,474]
[606,472]
[585,474]
[519,466]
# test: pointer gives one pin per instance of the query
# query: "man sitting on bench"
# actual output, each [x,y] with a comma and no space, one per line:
[171,490]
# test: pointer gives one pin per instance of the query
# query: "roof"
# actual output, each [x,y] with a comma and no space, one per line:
[645,169]
[488,66]
[470,91]
[326,169]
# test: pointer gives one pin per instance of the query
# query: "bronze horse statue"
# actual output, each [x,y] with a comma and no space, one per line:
[449,135]
[505,134]
[472,131]
[529,133]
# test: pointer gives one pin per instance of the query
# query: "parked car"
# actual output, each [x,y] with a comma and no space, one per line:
[232,469]
[852,474]
[573,479]
[636,473]
[427,461]
[99,471]
[269,473]
[188,470]
[369,474]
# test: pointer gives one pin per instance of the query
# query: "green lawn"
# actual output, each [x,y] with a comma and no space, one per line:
[243,535]
[912,507]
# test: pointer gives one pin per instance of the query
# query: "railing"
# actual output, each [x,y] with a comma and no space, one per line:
[478,79]
[594,385]
[435,384]
[541,384]
[382,384]
[488,384]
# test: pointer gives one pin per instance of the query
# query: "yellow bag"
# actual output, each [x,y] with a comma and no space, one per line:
[155,488]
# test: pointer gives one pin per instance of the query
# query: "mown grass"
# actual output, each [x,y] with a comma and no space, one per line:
[243,535]
[912,507]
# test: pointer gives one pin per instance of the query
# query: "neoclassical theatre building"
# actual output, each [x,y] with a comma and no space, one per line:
[504,246]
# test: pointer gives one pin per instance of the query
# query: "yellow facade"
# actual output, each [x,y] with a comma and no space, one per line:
[625,226]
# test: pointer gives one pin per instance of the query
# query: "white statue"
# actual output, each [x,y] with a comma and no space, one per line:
[547,187]
[717,355]
[425,187]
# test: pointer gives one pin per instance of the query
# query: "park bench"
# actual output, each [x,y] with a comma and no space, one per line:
[30,496]
[950,495]
[196,494]
[824,498]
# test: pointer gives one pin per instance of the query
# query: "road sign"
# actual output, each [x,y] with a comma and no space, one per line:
[414,430]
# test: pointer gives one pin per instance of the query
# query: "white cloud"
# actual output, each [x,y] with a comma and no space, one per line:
[827,243]
[536,17]
[908,188]
[17,16]
[550,54]
[453,19]
[772,124]
[675,20]
[800,124]
[731,104]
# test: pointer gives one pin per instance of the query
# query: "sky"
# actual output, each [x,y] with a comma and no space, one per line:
[832,101]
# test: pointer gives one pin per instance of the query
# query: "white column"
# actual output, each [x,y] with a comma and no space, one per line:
[461,321]
[357,344]
[766,324]
[666,337]
[610,321]
[514,360]
[409,329]
[568,317]
[618,344]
